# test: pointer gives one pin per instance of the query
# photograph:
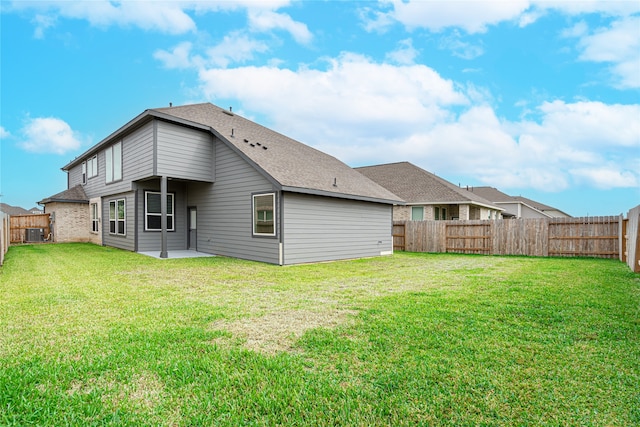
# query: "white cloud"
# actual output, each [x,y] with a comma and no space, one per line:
[49,135]
[267,20]
[581,7]
[409,112]
[474,16]
[171,16]
[234,48]
[606,177]
[178,57]
[619,45]
[4,133]
[168,17]
[405,54]
[383,103]
[460,48]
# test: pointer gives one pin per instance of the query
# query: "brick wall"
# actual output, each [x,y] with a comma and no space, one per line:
[71,222]
[402,213]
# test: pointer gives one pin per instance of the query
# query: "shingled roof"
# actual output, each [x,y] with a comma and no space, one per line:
[72,195]
[499,197]
[493,194]
[291,165]
[417,186]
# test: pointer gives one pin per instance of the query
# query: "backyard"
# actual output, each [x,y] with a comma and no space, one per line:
[98,336]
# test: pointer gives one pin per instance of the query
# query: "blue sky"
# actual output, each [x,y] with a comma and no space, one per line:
[539,99]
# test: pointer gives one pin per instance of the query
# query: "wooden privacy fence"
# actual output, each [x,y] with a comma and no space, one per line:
[30,228]
[590,236]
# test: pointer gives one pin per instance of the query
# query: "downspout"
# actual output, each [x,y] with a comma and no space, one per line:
[281,242]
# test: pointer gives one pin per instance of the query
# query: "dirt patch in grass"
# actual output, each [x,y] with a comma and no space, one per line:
[276,332]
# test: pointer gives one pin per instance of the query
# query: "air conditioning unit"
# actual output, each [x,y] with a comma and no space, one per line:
[33,235]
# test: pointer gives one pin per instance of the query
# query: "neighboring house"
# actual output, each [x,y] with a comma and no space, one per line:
[518,207]
[203,178]
[36,211]
[427,196]
[13,210]
[72,220]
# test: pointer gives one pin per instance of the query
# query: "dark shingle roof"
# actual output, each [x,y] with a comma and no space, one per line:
[540,206]
[13,210]
[492,194]
[417,186]
[498,196]
[291,164]
[72,195]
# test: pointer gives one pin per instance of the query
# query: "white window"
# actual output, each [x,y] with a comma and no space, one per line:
[89,169]
[153,213]
[95,219]
[417,213]
[117,217]
[113,162]
[264,207]
[92,167]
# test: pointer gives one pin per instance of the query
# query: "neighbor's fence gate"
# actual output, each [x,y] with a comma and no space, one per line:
[30,228]
[600,237]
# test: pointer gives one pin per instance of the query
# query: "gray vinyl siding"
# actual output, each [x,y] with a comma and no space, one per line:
[137,163]
[324,229]
[126,242]
[151,240]
[184,153]
[225,210]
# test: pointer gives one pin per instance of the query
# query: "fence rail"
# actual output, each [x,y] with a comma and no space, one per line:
[589,236]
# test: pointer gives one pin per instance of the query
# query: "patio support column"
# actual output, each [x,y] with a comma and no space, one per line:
[163,217]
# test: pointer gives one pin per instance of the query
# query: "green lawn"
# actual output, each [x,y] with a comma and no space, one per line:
[97,336]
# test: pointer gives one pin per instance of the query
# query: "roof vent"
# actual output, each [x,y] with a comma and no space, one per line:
[246,140]
[228,113]
[264,147]
[335,182]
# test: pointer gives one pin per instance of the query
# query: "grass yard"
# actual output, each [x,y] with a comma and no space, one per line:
[93,336]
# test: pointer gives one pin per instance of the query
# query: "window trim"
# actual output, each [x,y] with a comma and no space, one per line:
[254,213]
[113,169]
[116,220]
[172,214]
[415,207]
[95,218]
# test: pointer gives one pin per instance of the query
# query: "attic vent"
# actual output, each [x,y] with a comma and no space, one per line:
[228,113]
[258,144]
[246,140]
[264,147]
[253,145]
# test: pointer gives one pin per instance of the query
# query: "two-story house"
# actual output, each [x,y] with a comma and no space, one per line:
[204,178]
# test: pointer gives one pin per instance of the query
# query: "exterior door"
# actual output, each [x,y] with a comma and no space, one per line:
[192,235]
